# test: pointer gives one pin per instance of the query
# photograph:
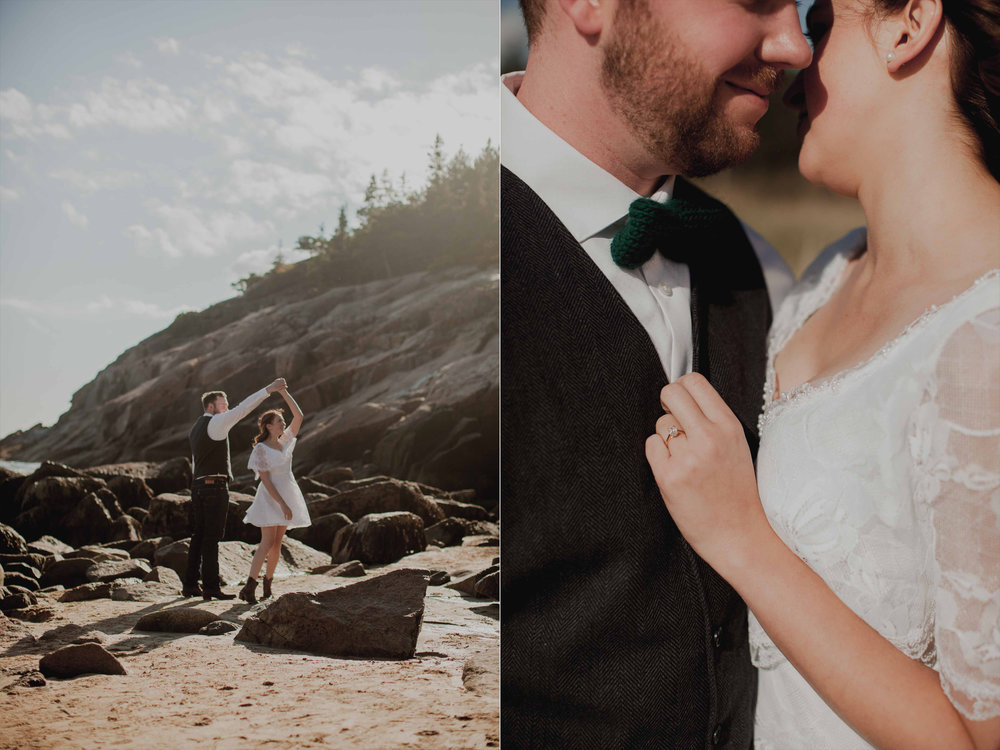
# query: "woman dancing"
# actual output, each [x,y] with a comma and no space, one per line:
[868,545]
[279,504]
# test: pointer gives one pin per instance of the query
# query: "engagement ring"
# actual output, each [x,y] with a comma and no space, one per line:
[674,431]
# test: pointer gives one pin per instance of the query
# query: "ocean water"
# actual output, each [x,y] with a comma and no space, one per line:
[21,467]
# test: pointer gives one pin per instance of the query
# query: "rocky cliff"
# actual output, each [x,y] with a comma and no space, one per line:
[397,376]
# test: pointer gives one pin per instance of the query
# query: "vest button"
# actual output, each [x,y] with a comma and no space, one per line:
[717,638]
[719,734]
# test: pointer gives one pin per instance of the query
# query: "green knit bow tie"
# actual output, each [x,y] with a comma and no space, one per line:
[677,228]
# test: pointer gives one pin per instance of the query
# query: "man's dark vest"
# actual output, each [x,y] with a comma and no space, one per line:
[210,456]
[614,633]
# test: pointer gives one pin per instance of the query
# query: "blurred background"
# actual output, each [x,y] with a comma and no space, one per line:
[799,219]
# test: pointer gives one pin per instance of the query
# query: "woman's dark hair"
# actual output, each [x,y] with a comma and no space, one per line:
[263,421]
[975,72]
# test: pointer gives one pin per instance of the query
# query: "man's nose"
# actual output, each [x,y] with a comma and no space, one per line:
[784,45]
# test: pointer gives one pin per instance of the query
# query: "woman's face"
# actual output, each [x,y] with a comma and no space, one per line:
[837,96]
[276,426]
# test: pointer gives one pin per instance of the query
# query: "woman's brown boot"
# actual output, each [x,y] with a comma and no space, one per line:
[267,588]
[249,592]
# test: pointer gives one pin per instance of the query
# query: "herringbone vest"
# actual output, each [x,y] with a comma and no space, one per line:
[614,633]
[210,456]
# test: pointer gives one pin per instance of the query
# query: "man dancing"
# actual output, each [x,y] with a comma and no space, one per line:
[210,487]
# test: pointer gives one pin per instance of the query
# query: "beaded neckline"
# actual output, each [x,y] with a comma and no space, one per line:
[812,301]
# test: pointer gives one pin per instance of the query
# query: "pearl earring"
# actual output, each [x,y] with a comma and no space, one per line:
[890,57]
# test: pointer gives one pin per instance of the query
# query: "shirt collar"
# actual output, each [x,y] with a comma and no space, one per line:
[582,195]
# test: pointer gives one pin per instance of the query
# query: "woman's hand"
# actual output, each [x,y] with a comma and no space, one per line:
[705,472]
[286,511]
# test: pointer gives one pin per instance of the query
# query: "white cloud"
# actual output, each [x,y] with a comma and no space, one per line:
[193,230]
[101,305]
[298,50]
[217,110]
[378,80]
[73,215]
[141,105]
[127,58]
[349,129]
[274,186]
[27,120]
[152,241]
[168,45]
[15,106]
[9,194]
[234,146]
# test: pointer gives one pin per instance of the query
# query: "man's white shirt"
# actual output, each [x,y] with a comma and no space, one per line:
[220,424]
[593,205]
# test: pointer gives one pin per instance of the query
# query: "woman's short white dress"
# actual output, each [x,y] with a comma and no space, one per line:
[265,511]
[885,480]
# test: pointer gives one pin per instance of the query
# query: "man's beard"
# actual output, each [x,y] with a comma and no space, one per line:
[668,99]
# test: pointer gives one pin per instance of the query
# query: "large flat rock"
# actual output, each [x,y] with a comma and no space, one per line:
[376,618]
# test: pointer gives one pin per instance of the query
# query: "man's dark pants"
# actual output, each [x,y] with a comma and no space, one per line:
[209,504]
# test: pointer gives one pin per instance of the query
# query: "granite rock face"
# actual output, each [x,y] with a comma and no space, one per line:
[401,373]
[375,618]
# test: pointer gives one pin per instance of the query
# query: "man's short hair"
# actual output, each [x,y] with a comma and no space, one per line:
[533,12]
[209,398]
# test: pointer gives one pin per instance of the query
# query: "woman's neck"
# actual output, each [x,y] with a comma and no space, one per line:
[935,216]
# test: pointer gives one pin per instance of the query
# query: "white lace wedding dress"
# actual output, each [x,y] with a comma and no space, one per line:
[265,511]
[885,479]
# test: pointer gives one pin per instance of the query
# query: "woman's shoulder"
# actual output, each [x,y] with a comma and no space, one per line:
[816,282]
[835,254]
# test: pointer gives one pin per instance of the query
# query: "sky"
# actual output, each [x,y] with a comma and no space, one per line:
[152,153]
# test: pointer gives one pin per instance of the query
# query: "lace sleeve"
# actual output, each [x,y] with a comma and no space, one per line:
[258,460]
[959,470]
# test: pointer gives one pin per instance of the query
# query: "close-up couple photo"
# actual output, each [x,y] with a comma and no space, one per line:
[738,509]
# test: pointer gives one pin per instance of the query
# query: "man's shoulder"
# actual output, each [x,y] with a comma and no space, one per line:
[525,219]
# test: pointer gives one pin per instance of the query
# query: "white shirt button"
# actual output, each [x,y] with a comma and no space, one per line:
[666,289]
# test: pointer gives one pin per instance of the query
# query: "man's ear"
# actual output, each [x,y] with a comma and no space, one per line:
[911,31]
[588,16]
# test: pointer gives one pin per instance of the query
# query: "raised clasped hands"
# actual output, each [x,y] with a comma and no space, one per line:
[702,465]
[278,384]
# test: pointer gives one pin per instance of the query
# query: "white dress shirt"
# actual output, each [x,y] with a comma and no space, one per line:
[592,205]
[220,424]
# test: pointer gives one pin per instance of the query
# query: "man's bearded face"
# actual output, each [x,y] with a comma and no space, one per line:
[675,106]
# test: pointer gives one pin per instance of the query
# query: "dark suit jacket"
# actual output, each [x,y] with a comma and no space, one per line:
[614,633]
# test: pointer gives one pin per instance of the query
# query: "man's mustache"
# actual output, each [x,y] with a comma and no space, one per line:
[764,78]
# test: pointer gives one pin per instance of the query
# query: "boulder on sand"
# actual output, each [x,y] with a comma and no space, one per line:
[85,658]
[176,620]
[49,545]
[384,496]
[86,592]
[379,538]
[69,573]
[111,570]
[378,617]
[11,543]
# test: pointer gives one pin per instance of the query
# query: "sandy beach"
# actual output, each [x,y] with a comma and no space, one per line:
[208,691]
